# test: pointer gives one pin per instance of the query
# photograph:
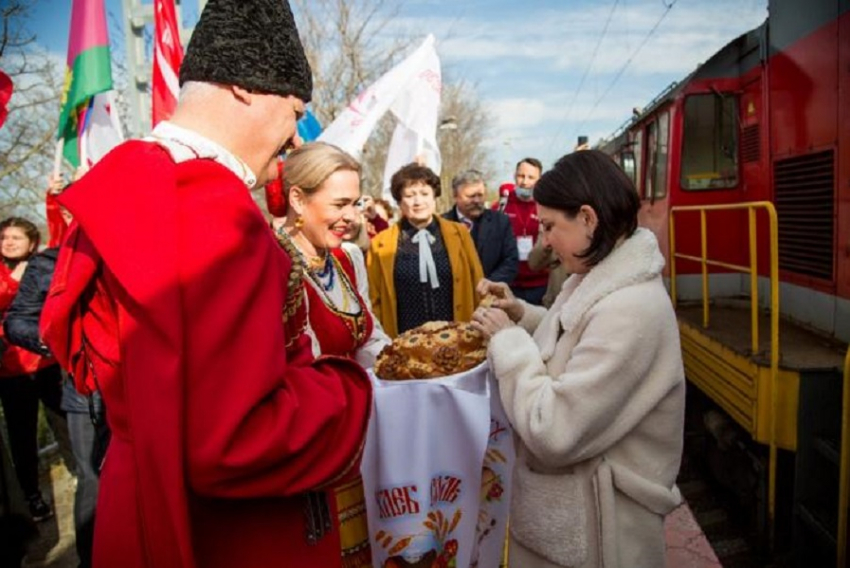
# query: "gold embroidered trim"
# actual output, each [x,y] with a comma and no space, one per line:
[354,322]
[294,288]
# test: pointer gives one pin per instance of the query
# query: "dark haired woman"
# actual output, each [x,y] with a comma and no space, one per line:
[423,268]
[594,386]
[25,377]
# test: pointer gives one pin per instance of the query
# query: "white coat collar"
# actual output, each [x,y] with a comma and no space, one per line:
[638,259]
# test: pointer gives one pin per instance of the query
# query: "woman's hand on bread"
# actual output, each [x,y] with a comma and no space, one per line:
[499,295]
[490,321]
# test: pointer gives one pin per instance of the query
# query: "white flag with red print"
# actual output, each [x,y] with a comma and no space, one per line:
[411,91]
[101,130]
[167,56]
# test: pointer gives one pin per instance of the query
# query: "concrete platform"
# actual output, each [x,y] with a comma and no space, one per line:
[687,546]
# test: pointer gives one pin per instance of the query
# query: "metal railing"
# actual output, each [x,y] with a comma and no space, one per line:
[844,469]
[752,270]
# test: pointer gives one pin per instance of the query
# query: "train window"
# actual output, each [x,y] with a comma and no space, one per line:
[637,148]
[710,146]
[648,182]
[661,152]
[657,136]
[627,162]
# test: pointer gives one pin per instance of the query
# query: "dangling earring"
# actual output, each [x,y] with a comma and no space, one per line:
[299,222]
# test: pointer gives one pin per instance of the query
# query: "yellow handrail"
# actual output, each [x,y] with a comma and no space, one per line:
[751,208]
[844,465]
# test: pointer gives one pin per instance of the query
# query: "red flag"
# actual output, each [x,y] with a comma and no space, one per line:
[167,56]
[5,95]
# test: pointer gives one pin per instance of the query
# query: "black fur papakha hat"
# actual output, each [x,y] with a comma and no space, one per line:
[253,44]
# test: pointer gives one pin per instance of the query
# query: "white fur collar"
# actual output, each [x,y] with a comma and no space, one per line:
[638,259]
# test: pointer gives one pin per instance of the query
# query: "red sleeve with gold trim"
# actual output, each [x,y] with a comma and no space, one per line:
[257,423]
[201,290]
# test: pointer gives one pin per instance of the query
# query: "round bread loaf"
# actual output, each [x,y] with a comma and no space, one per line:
[434,349]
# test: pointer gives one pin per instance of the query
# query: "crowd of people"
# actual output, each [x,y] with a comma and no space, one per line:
[227,351]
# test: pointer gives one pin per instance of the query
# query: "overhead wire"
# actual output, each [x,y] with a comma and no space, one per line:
[628,62]
[585,74]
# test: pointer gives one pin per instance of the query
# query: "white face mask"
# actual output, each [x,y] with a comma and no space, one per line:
[524,192]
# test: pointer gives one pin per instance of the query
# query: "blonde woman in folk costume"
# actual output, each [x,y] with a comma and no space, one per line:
[322,185]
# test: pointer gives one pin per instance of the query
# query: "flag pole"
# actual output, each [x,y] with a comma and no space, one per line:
[57,158]
[83,149]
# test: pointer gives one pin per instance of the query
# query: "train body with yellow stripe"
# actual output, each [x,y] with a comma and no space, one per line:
[743,169]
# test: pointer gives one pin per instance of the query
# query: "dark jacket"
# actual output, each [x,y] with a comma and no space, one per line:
[23,315]
[496,244]
[21,323]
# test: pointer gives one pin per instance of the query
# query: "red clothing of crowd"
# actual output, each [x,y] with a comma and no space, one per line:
[16,360]
[525,223]
[56,225]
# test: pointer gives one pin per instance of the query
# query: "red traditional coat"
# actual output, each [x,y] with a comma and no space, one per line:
[171,290]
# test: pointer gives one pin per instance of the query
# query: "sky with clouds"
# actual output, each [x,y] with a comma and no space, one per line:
[547,70]
[553,70]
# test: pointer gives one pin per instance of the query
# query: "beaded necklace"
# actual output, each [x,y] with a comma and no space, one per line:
[325,276]
[324,272]
[354,321]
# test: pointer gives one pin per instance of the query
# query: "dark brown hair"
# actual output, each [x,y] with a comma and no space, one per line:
[531,162]
[411,174]
[592,178]
[29,228]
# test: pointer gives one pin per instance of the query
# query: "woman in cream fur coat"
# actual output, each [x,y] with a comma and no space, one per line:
[594,387]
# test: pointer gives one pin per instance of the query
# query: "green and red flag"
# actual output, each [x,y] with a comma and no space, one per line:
[88,72]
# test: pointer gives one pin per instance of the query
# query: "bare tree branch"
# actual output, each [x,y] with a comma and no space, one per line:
[349,46]
[27,137]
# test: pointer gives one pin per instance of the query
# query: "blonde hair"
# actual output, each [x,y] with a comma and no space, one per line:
[310,165]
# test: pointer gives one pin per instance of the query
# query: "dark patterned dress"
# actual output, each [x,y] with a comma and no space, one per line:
[418,302]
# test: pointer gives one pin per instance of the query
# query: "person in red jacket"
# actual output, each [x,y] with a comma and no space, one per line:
[26,377]
[518,204]
[172,297]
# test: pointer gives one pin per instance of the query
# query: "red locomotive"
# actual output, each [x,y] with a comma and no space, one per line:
[743,168]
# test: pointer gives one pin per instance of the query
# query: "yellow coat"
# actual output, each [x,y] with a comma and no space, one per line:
[463,258]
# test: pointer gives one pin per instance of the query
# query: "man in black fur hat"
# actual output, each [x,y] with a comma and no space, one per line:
[173,298]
